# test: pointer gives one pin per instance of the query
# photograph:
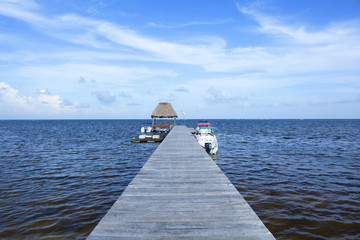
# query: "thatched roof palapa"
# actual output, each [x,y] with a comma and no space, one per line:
[164,110]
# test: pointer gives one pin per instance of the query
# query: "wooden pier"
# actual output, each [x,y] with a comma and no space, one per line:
[180,193]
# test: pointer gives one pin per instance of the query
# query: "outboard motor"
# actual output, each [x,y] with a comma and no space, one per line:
[207,147]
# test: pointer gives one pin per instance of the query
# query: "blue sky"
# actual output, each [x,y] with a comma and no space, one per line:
[210,59]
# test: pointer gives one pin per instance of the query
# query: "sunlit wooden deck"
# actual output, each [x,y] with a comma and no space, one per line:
[180,193]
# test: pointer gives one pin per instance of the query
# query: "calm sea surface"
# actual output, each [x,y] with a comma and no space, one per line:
[58,178]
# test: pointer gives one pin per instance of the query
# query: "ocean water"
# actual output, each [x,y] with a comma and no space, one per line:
[59,177]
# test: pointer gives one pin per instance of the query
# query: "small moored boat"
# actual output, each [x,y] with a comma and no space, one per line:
[206,138]
[157,131]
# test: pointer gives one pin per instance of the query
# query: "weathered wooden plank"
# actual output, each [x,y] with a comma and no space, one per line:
[180,193]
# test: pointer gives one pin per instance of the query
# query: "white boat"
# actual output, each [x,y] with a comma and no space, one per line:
[206,138]
[146,129]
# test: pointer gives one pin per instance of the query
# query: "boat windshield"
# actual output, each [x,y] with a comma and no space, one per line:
[206,129]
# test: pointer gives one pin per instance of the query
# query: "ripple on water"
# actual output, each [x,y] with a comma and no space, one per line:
[59,178]
[302,181]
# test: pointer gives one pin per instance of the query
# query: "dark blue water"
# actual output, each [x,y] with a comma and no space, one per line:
[58,178]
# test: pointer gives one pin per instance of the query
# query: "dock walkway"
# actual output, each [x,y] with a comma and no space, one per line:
[180,193]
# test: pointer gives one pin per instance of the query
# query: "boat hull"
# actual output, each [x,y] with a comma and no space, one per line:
[208,142]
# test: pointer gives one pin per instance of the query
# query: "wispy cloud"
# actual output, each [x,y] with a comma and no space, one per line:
[64,75]
[298,50]
[93,11]
[104,97]
[325,101]
[336,32]
[128,14]
[210,54]
[193,23]
[169,98]
[126,63]
[339,43]
[182,89]
[221,96]
[24,10]
[124,94]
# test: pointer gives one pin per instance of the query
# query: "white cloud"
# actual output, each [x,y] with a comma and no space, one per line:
[21,9]
[52,100]
[125,63]
[27,4]
[338,45]
[81,80]
[92,11]
[325,101]
[221,96]
[10,97]
[207,52]
[197,54]
[193,23]
[182,89]
[124,94]
[337,32]
[104,97]
[169,98]
[44,104]
[63,75]
[335,47]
